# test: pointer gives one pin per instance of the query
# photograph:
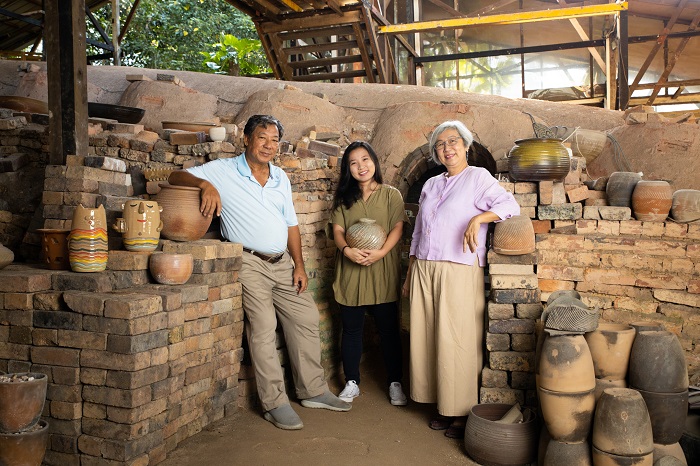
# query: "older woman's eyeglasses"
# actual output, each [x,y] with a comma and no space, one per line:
[440,146]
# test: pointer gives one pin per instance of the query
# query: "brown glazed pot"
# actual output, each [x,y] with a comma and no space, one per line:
[182,220]
[538,159]
[610,346]
[686,205]
[620,188]
[171,269]
[54,248]
[603,458]
[493,443]
[569,454]
[21,403]
[514,236]
[667,412]
[24,448]
[652,200]
[621,425]
[602,384]
[675,450]
[366,233]
[657,363]
[568,416]
[566,365]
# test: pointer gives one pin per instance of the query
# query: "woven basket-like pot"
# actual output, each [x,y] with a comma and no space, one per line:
[686,205]
[538,159]
[514,236]
[652,200]
[365,234]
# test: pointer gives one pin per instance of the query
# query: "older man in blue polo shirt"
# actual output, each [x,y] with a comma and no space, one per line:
[254,199]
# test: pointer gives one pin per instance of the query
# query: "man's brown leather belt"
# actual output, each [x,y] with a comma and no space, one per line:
[271,259]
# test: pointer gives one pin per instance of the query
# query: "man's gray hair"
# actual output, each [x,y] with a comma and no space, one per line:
[461,128]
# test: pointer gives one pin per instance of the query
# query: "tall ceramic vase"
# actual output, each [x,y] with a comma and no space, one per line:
[140,225]
[87,242]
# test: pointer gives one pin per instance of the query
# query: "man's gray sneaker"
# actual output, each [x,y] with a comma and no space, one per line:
[327,400]
[284,417]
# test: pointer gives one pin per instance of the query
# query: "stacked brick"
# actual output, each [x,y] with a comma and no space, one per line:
[134,368]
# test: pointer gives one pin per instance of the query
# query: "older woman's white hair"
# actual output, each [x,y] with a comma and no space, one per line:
[461,128]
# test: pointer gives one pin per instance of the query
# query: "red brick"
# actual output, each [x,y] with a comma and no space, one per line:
[610,276]
[547,285]
[576,193]
[545,191]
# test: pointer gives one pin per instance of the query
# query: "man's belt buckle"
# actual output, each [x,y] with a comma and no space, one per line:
[265,257]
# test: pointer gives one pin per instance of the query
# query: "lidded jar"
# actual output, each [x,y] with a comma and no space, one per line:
[365,234]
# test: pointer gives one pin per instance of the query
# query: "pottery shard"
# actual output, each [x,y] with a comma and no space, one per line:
[615,213]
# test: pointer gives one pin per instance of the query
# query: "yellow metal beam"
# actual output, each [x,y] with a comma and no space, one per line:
[293,6]
[507,18]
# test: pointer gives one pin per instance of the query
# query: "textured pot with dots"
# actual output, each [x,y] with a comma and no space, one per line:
[610,346]
[657,363]
[24,448]
[140,225]
[538,159]
[566,365]
[514,236]
[182,220]
[568,416]
[87,242]
[652,200]
[621,425]
[686,205]
[365,234]
[620,188]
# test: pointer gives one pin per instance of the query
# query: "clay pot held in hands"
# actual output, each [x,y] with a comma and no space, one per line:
[170,268]
[182,220]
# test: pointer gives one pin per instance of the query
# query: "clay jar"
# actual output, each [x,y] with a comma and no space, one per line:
[569,454]
[365,234]
[170,268]
[674,450]
[686,205]
[657,363]
[24,448]
[610,346]
[182,220]
[652,200]
[21,401]
[667,412]
[514,236]
[489,442]
[566,365]
[621,425]
[217,133]
[140,225]
[620,188]
[568,416]
[538,159]
[54,248]
[87,242]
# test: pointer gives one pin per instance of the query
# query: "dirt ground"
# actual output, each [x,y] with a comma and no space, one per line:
[373,433]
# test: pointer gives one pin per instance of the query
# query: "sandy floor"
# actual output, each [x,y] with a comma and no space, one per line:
[373,433]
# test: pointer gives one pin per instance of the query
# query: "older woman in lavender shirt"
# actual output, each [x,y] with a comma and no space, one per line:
[445,279]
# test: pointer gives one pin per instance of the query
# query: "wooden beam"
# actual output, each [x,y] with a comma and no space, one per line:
[693,98]
[335,6]
[582,34]
[324,47]
[364,51]
[374,43]
[623,88]
[330,76]
[326,61]
[508,18]
[667,84]
[318,21]
[319,32]
[376,14]
[293,6]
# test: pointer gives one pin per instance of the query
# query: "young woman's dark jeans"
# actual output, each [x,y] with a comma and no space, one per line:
[386,318]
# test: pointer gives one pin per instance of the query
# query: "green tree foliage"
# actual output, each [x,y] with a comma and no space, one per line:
[235,56]
[172,34]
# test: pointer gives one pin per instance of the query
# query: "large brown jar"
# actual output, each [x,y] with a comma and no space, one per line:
[182,220]
[652,200]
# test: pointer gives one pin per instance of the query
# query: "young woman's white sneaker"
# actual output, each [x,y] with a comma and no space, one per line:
[396,395]
[350,391]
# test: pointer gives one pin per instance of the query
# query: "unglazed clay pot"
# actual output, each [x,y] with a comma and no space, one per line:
[610,346]
[603,458]
[24,448]
[686,205]
[489,442]
[140,225]
[620,188]
[602,384]
[568,416]
[643,326]
[21,400]
[538,159]
[169,268]
[588,143]
[674,450]
[182,220]
[87,242]
[566,365]
[6,256]
[365,234]
[569,454]
[657,363]
[667,412]
[621,425]
[652,200]
[54,248]
[514,236]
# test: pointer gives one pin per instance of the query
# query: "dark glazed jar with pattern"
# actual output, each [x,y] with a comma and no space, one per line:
[538,159]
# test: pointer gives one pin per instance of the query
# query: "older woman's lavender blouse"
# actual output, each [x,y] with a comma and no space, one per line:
[446,206]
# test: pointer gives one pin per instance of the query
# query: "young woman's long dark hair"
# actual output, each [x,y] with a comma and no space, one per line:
[348,191]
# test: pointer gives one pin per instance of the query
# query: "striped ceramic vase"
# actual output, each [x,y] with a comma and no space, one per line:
[87,242]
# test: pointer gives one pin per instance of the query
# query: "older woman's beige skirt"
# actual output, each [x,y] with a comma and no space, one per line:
[447,333]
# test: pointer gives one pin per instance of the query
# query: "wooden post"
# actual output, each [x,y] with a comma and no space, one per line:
[66,65]
[623,70]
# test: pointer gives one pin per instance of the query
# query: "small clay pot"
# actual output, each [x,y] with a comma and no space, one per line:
[566,365]
[54,248]
[514,236]
[493,443]
[652,200]
[620,188]
[657,363]
[674,450]
[568,416]
[569,454]
[21,402]
[217,133]
[602,384]
[365,234]
[686,205]
[182,220]
[604,458]
[171,269]
[24,448]
[610,346]
[621,425]
[667,412]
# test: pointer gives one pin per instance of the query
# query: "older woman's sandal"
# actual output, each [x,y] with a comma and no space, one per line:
[456,429]
[440,422]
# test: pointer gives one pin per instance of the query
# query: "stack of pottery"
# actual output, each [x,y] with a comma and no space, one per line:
[658,371]
[622,429]
[610,345]
[23,437]
[87,242]
[140,225]
[652,200]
